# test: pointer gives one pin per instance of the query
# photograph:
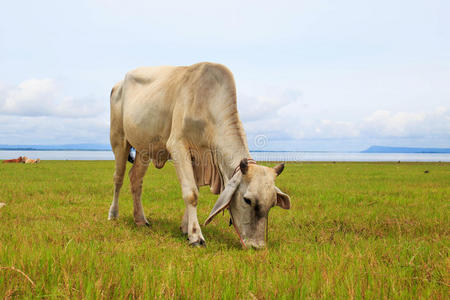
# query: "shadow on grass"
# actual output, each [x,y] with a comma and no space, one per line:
[171,228]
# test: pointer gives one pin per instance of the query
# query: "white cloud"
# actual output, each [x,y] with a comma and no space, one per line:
[37,112]
[336,129]
[407,124]
[267,104]
[53,130]
[284,116]
[42,97]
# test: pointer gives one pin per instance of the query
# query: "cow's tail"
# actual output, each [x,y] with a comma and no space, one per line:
[132,158]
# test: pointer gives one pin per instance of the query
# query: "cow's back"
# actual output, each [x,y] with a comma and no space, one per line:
[187,101]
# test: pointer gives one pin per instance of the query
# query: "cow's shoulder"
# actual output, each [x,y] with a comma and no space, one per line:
[210,72]
[145,75]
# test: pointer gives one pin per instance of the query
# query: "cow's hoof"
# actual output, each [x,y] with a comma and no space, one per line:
[199,243]
[113,214]
[143,223]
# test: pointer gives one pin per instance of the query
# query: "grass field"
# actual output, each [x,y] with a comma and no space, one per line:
[355,230]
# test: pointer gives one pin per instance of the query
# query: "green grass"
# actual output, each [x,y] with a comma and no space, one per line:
[355,230]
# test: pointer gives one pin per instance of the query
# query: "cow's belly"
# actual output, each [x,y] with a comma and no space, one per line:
[148,133]
[147,126]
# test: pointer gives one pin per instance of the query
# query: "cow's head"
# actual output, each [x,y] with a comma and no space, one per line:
[249,195]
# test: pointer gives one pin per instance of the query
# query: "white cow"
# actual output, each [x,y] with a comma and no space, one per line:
[189,114]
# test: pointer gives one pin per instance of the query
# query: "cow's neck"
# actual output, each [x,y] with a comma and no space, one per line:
[231,141]
[230,155]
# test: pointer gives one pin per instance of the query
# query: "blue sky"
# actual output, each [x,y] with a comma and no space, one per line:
[311,75]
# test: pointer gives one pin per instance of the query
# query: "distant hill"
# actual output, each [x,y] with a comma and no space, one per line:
[382,149]
[68,147]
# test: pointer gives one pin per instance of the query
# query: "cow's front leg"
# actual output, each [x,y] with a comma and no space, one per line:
[190,197]
[184,223]
[182,162]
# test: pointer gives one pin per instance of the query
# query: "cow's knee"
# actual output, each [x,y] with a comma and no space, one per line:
[118,180]
[190,196]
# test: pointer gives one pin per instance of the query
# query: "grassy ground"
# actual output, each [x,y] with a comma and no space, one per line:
[356,230]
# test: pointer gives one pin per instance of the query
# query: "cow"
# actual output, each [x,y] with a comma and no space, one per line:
[189,114]
[31,161]
[15,160]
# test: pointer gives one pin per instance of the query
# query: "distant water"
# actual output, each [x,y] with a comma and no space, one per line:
[259,156]
[350,156]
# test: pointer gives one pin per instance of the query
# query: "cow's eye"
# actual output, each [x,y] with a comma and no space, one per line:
[248,201]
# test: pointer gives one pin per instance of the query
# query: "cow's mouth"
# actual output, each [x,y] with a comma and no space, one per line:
[257,245]
[249,242]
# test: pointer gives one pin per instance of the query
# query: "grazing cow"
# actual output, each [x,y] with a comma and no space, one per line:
[15,160]
[32,161]
[189,114]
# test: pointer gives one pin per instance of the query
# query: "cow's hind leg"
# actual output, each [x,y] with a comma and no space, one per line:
[121,151]
[136,175]
[185,173]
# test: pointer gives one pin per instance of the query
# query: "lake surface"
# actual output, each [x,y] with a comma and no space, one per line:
[259,156]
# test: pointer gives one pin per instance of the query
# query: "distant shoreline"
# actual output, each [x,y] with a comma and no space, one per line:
[100,154]
[100,148]
[416,150]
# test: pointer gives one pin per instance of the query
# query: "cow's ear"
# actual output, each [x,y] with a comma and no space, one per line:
[243,165]
[225,197]
[279,168]
[283,200]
